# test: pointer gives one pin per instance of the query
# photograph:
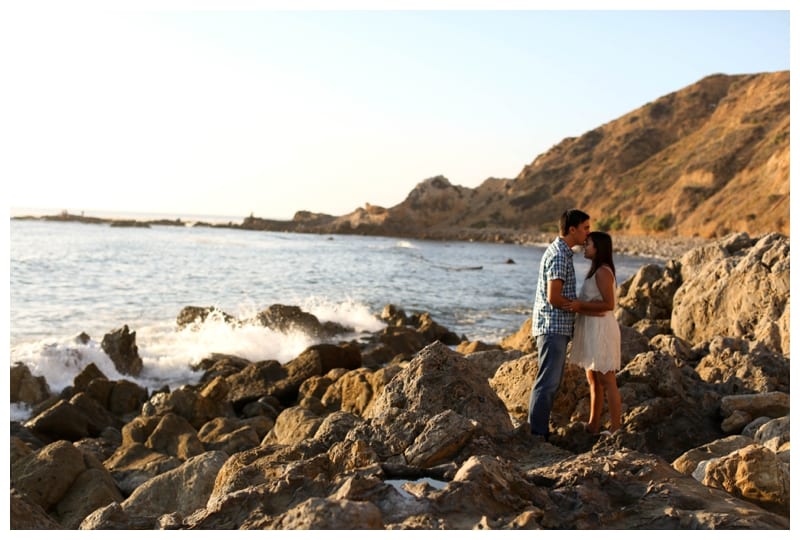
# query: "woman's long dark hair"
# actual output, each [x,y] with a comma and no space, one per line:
[602,255]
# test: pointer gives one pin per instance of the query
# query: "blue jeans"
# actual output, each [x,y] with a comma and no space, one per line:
[552,357]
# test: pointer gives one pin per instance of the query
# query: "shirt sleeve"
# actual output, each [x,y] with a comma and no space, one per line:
[557,268]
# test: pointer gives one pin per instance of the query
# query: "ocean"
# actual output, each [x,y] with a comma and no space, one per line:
[67,278]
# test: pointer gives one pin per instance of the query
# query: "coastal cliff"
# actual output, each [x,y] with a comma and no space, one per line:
[704,161]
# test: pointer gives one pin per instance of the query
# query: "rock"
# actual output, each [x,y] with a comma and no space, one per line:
[688,461]
[741,366]
[114,518]
[319,513]
[441,438]
[167,492]
[62,421]
[293,425]
[132,464]
[25,388]
[742,295]
[92,489]
[521,340]
[194,315]
[174,436]
[774,435]
[120,346]
[648,294]
[753,473]
[45,477]
[27,515]
[772,404]
[228,435]
[286,319]
[439,379]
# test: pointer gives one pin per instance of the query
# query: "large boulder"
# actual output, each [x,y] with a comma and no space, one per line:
[744,294]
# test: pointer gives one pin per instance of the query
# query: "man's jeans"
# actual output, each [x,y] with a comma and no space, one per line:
[552,357]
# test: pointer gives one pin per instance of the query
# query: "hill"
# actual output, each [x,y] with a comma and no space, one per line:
[706,160]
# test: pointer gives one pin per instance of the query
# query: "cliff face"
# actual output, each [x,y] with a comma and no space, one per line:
[706,160]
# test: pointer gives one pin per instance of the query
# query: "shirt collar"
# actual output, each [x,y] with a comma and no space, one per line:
[563,246]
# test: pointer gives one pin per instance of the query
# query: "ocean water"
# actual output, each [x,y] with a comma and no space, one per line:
[68,278]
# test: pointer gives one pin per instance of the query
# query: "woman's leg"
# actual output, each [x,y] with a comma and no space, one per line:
[608,381]
[596,396]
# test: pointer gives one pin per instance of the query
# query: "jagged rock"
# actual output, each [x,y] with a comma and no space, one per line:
[441,438]
[489,361]
[305,436]
[92,489]
[132,464]
[220,365]
[688,461]
[44,477]
[25,388]
[469,347]
[190,315]
[648,294]
[394,316]
[120,346]
[254,382]
[287,319]
[434,331]
[114,518]
[319,513]
[672,346]
[174,436]
[774,435]
[521,340]
[438,379]
[352,392]
[293,425]
[27,515]
[229,435]
[741,366]
[708,303]
[772,404]
[62,421]
[167,492]
[753,473]
[624,489]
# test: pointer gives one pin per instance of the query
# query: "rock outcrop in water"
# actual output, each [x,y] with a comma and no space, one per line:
[401,431]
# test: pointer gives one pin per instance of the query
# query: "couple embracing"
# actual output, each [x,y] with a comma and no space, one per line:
[559,314]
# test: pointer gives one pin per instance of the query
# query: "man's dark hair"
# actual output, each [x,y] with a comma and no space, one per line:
[571,218]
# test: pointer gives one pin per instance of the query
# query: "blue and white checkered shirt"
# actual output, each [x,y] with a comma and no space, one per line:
[556,264]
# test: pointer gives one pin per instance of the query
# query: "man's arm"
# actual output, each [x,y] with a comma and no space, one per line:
[554,296]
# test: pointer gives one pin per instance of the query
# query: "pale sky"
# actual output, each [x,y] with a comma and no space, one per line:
[268,112]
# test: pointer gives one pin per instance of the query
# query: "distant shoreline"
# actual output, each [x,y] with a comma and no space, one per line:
[652,247]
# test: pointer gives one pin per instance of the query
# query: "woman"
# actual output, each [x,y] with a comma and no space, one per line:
[596,340]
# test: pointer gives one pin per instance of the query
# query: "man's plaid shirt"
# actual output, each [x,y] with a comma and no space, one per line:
[556,264]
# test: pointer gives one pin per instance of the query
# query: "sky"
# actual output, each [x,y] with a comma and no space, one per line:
[257,110]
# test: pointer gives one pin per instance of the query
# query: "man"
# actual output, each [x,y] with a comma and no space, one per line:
[552,321]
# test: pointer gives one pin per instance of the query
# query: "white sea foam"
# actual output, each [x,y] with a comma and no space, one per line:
[405,244]
[168,353]
[349,313]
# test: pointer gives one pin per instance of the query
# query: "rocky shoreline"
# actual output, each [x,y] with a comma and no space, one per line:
[414,427]
[657,247]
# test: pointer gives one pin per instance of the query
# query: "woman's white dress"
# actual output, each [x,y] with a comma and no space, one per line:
[596,340]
